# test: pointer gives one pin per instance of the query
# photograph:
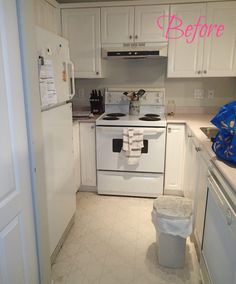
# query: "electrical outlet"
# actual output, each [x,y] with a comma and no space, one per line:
[198,94]
[210,94]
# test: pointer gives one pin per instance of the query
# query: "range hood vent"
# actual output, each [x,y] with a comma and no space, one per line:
[134,52]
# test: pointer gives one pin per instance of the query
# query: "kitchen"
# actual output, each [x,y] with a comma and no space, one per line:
[96,218]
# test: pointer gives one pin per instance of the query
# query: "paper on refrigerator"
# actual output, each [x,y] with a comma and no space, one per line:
[47,84]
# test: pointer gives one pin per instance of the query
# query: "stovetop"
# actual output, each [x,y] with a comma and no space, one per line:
[143,120]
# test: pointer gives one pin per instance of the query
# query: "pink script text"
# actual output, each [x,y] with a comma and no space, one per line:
[176,29]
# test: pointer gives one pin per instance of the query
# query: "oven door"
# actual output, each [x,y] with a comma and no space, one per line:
[111,157]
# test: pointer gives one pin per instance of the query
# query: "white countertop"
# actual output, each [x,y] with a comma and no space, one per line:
[194,122]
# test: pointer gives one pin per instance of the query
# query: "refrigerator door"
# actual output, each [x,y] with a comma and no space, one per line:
[55,50]
[58,156]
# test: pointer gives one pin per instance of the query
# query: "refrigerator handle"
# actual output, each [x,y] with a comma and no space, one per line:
[72,79]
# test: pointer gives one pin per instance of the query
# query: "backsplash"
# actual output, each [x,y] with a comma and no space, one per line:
[152,73]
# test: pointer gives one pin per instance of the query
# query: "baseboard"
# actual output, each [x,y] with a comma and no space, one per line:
[204,271]
[62,240]
[85,188]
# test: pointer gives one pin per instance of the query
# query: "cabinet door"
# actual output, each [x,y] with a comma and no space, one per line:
[146,29]
[201,197]
[220,52]
[185,59]
[117,24]
[87,150]
[76,143]
[48,15]
[175,152]
[82,28]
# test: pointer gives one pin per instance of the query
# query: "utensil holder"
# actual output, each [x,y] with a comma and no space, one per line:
[134,107]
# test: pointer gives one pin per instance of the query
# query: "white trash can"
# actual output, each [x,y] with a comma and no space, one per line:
[172,218]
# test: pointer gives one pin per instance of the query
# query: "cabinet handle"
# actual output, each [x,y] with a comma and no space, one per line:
[190,136]
[198,149]
[169,130]
[130,37]
[97,73]
[136,37]
[204,71]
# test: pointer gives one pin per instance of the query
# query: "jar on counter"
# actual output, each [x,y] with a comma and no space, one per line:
[171,107]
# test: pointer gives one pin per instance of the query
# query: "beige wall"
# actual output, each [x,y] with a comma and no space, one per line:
[152,73]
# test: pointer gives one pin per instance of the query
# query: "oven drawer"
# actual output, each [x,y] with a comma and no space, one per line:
[132,184]
[111,157]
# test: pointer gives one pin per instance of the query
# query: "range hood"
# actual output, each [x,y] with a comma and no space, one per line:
[134,52]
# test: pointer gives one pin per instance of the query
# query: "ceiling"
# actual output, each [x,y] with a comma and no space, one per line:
[80,1]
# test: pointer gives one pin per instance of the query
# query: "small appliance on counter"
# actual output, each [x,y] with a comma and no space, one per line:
[96,102]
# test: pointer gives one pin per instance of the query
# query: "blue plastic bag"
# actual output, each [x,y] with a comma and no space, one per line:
[224,144]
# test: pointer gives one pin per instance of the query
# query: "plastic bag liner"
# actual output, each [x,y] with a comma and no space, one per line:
[173,215]
[224,144]
[176,227]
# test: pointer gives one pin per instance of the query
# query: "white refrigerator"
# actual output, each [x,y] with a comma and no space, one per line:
[56,82]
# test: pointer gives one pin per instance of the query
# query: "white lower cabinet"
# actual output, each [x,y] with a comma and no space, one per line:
[76,143]
[88,156]
[201,198]
[175,152]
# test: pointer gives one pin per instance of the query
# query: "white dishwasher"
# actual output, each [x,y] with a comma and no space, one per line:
[219,241]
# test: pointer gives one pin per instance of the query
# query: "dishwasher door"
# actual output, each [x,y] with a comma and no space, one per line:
[219,242]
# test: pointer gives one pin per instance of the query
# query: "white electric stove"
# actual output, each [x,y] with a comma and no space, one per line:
[115,175]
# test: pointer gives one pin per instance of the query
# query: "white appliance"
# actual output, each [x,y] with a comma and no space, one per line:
[218,261]
[56,89]
[114,174]
[135,51]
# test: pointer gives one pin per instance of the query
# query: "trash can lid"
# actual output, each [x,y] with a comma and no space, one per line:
[173,207]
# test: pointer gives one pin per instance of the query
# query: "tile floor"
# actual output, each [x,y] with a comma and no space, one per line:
[113,242]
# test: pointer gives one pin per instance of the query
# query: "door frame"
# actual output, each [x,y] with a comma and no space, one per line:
[26,21]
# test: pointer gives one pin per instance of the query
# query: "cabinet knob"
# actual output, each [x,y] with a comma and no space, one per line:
[204,71]
[190,136]
[198,149]
[92,127]
[169,130]
[199,72]
[97,73]
[136,37]
[130,37]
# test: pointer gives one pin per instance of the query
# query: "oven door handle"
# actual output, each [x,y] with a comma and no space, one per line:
[154,132]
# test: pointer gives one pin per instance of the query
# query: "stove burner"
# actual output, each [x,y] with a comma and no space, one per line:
[152,115]
[116,114]
[149,118]
[110,118]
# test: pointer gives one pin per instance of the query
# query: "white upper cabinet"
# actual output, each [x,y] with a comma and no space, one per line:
[117,24]
[206,56]
[82,28]
[48,15]
[185,59]
[146,29]
[132,24]
[220,52]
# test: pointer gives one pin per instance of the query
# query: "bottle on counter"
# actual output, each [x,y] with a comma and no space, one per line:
[171,107]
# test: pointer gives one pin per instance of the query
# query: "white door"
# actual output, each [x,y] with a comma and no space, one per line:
[117,24]
[88,154]
[146,29]
[185,59]
[18,264]
[220,52]
[82,28]
[175,153]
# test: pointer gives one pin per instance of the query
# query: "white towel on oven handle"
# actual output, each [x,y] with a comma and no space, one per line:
[132,144]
